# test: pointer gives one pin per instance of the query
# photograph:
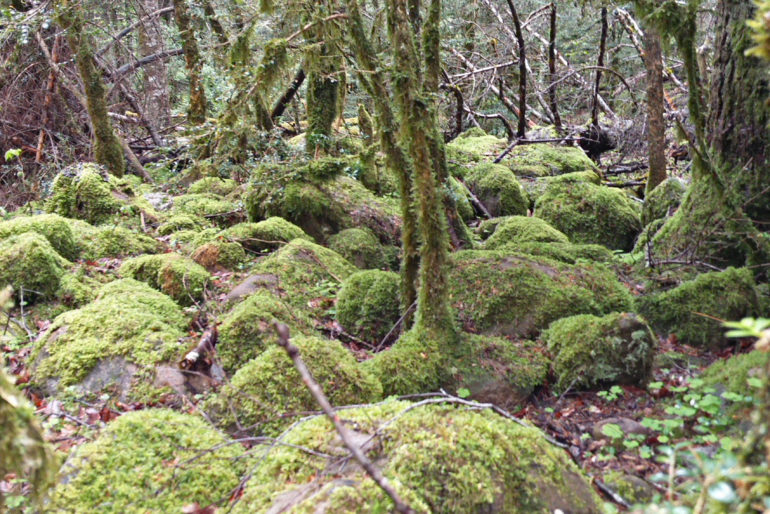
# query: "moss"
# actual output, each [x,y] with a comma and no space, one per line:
[266,235]
[182,222]
[188,240]
[30,265]
[213,185]
[439,458]
[631,488]
[110,241]
[206,205]
[461,198]
[498,189]
[128,320]
[564,252]
[268,390]
[647,234]
[523,229]
[473,147]
[663,200]
[247,330]
[84,192]
[732,374]
[592,214]
[575,176]
[591,351]
[360,247]
[154,460]
[51,226]
[692,310]
[367,304]
[179,277]
[510,294]
[219,254]
[544,159]
[77,289]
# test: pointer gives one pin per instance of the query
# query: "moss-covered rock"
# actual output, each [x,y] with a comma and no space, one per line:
[438,458]
[30,265]
[247,330]
[509,294]
[181,278]
[266,235]
[545,159]
[663,200]
[563,252]
[647,234]
[268,390]
[473,146]
[110,241]
[213,185]
[360,247]
[731,375]
[575,176]
[154,460]
[461,199]
[630,487]
[498,189]
[83,191]
[189,240]
[592,214]
[523,229]
[692,310]
[367,304]
[591,351]
[182,222]
[217,255]
[129,327]
[51,226]
[209,206]
[77,289]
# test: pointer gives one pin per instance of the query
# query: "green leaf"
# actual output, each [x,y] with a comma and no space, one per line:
[612,431]
[754,382]
[12,154]
[463,392]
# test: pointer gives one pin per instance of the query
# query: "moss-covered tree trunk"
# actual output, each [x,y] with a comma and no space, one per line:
[322,95]
[107,149]
[196,113]
[653,60]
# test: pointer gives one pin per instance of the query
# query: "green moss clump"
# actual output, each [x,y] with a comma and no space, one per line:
[266,235]
[665,198]
[268,390]
[189,240]
[732,374]
[498,189]
[182,222]
[523,229]
[439,458]
[219,254]
[206,205]
[128,320]
[691,310]
[84,192]
[110,241]
[461,198]
[51,226]
[648,233]
[592,351]
[592,214]
[544,159]
[77,289]
[154,460]
[563,252]
[247,330]
[213,185]
[360,247]
[367,304]
[511,294]
[28,262]
[630,487]
[181,278]
[473,146]
[575,176]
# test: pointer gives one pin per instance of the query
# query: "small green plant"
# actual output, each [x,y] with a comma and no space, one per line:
[613,394]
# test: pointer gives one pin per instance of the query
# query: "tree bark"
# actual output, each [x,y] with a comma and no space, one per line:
[196,113]
[599,66]
[653,61]
[521,130]
[157,105]
[552,69]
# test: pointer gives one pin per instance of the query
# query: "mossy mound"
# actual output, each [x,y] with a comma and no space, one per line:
[563,252]
[217,255]
[647,234]
[367,304]
[545,159]
[129,324]
[510,294]
[591,214]
[663,200]
[460,197]
[182,222]
[30,265]
[592,351]
[268,391]
[498,189]
[247,330]
[189,240]
[473,146]
[213,185]
[575,176]
[83,192]
[266,235]
[210,206]
[360,247]
[523,229]
[51,226]
[692,310]
[77,288]
[110,241]
[731,375]
[438,458]
[154,460]
[181,278]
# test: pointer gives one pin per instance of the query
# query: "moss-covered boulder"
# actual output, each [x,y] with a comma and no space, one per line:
[51,226]
[360,247]
[368,305]
[30,265]
[77,288]
[268,391]
[110,241]
[210,206]
[179,222]
[247,330]
[647,235]
[545,159]
[473,146]
[181,278]
[512,294]
[592,214]
[264,236]
[213,185]
[663,200]
[128,330]
[498,189]
[732,374]
[438,458]
[460,197]
[591,351]
[188,240]
[692,310]
[217,255]
[523,229]
[84,192]
[563,252]
[154,460]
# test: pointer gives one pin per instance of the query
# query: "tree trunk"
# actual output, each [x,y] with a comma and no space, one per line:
[552,69]
[653,61]
[157,105]
[599,66]
[196,113]
[521,131]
